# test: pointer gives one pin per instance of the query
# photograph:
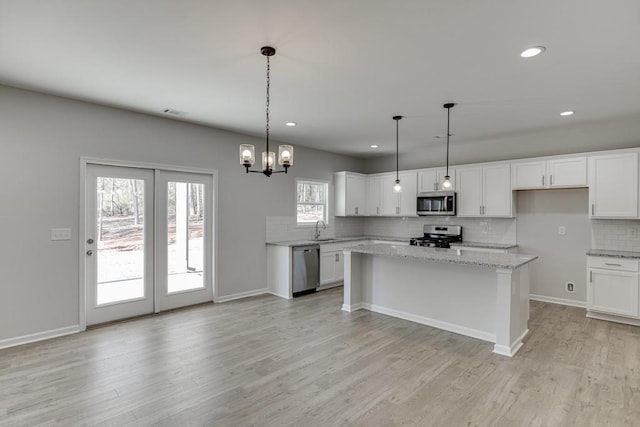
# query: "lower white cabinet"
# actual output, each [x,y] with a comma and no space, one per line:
[331,267]
[612,286]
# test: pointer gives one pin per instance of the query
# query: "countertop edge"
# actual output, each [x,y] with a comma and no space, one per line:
[293,243]
[607,253]
[476,259]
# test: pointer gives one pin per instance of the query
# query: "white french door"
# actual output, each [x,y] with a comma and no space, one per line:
[183,239]
[148,241]
[119,232]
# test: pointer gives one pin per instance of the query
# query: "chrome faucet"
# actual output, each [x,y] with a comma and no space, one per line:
[324,227]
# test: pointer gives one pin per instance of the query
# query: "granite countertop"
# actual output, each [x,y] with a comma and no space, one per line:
[455,256]
[334,240]
[613,254]
[504,246]
[293,243]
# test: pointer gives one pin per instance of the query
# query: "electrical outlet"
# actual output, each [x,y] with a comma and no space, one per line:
[60,234]
[562,230]
[570,287]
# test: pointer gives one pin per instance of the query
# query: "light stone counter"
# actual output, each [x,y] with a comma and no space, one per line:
[614,254]
[477,294]
[293,243]
[453,255]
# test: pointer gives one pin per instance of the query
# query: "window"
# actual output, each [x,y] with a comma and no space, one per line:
[311,201]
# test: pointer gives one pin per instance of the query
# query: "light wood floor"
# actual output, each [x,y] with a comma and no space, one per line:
[266,361]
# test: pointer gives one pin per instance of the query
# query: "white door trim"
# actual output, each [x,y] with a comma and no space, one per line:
[84,160]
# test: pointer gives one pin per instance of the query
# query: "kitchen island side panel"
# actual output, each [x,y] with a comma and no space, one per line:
[459,298]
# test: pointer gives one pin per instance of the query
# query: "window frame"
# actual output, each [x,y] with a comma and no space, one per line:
[325,204]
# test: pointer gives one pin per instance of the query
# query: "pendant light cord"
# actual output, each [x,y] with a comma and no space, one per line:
[448,120]
[267,112]
[397,162]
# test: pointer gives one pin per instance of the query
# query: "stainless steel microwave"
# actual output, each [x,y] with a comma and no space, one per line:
[437,203]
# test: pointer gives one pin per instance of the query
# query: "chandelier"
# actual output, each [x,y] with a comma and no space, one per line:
[248,151]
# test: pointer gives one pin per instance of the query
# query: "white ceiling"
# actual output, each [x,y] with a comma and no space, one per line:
[343,68]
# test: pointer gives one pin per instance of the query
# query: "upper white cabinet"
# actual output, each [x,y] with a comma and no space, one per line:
[554,173]
[613,185]
[350,193]
[398,204]
[432,179]
[484,191]
[373,195]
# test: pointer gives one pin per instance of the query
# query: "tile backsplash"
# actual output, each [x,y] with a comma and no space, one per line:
[284,228]
[489,230]
[615,234]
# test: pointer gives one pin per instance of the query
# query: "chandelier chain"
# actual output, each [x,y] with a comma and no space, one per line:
[267,103]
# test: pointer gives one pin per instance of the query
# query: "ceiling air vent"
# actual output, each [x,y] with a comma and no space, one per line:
[174,112]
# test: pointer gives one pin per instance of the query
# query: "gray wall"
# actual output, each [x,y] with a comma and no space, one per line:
[561,258]
[42,138]
[568,139]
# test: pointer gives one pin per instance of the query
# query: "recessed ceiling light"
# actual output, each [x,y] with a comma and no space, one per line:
[567,113]
[290,124]
[375,146]
[533,51]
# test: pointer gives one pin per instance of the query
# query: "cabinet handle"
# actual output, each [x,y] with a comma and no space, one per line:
[378,210]
[337,257]
[612,264]
[356,210]
[550,179]
[593,208]
[480,209]
[590,276]
[543,180]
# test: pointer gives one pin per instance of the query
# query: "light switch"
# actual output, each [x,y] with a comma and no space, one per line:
[60,234]
[562,230]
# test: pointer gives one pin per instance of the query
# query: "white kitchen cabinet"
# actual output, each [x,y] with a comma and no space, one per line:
[567,172]
[554,173]
[331,267]
[373,196]
[350,194]
[398,204]
[612,286]
[432,179]
[613,185]
[484,191]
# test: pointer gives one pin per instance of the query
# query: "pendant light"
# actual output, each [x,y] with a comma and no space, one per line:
[397,188]
[248,151]
[447,179]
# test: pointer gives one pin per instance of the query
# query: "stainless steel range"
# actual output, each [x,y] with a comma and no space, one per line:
[438,236]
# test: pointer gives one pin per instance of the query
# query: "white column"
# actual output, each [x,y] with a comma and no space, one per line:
[352,281]
[512,310]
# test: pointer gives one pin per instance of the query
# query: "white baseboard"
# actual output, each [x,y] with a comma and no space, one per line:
[462,330]
[561,301]
[353,307]
[512,349]
[613,318]
[40,336]
[241,295]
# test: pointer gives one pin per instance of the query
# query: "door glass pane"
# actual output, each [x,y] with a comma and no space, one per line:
[185,220]
[120,225]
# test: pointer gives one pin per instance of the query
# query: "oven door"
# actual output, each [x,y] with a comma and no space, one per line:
[436,203]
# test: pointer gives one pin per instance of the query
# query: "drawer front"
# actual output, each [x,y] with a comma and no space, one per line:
[619,264]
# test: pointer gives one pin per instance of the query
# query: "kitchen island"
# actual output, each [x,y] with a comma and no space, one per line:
[478,294]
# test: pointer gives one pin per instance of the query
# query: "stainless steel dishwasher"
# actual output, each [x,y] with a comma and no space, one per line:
[306,269]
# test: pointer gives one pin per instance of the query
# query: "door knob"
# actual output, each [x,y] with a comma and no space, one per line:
[89,253]
[90,241]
